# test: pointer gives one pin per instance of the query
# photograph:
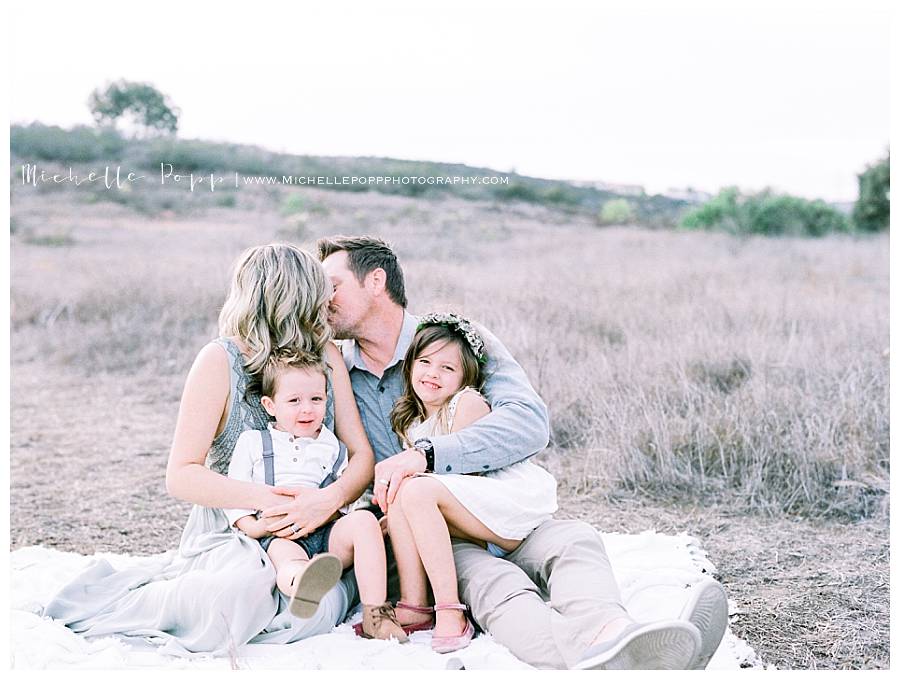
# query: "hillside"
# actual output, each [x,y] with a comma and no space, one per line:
[36,143]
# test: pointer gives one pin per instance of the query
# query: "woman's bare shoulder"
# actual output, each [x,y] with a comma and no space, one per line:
[211,365]
[212,354]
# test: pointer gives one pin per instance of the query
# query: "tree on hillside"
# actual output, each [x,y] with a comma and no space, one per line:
[144,108]
[872,211]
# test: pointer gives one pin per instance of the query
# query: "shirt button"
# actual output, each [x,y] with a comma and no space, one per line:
[295,460]
[448,468]
[296,448]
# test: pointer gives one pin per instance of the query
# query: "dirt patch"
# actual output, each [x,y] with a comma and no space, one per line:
[809,595]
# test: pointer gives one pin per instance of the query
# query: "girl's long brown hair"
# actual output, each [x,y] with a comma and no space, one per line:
[409,408]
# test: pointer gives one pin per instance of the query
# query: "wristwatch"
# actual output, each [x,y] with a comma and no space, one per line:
[427,448]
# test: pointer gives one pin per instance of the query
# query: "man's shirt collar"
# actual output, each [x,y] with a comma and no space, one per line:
[353,358]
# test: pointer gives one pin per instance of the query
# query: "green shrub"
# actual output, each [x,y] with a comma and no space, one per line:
[560,195]
[872,211]
[226,200]
[515,191]
[720,212]
[617,211]
[198,156]
[51,143]
[766,214]
[292,205]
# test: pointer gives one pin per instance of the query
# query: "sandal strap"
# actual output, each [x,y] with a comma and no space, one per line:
[455,605]
[414,608]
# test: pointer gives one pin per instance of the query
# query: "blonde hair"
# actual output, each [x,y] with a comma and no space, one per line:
[277,303]
[281,362]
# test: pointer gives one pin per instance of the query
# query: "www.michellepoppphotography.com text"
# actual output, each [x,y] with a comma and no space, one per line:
[115,177]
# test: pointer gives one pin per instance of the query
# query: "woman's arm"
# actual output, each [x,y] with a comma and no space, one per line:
[202,409]
[349,429]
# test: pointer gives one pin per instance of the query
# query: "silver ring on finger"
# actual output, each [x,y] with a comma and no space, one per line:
[295,529]
[386,482]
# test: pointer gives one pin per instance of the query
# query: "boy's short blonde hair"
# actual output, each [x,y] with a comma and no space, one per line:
[280,362]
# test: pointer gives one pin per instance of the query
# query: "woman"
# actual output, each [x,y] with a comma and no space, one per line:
[218,590]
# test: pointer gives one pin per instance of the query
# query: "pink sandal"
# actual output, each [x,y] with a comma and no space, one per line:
[411,628]
[445,644]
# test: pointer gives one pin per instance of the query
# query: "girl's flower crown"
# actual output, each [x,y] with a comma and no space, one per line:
[460,324]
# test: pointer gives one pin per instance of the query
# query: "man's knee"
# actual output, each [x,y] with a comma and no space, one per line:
[564,531]
[556,537]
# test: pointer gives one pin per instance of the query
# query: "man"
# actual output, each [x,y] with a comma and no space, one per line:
[584,625]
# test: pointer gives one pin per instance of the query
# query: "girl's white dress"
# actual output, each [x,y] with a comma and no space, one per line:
[511,501]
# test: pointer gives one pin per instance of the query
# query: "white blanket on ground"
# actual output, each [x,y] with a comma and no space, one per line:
[654,572]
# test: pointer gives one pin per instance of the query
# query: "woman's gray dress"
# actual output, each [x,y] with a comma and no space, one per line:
[217,591]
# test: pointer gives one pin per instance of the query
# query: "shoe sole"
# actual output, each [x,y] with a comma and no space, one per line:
[321,575]
[663,645]
[409,630]
[708,611]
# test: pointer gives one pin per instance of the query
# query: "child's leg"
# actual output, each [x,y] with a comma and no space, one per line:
[356,538]
[413,582]
[290,560]
[460,522]
[429,507]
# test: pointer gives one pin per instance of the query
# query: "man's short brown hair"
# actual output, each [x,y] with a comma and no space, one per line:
[365,254]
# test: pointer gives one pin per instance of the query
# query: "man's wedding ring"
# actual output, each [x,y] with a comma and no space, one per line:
[386,482]
[294,528]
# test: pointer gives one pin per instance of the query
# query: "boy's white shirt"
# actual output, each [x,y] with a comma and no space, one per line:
[298,461]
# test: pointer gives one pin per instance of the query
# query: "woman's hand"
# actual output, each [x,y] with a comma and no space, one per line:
[306,511]
[390,472]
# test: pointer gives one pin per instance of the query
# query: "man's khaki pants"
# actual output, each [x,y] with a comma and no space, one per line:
[546,600]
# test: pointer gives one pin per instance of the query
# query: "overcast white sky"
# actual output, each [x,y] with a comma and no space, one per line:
[789,94]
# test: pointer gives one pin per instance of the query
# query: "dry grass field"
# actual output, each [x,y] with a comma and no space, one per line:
[736,389]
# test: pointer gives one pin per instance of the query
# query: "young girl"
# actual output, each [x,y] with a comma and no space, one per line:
[298,450]
[496,509]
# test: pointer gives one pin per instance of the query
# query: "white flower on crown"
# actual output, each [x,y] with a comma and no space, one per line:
[462,324]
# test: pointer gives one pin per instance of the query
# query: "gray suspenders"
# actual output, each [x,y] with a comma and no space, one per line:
[269,461]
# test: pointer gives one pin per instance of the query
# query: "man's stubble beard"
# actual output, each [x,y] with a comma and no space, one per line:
[340,332]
